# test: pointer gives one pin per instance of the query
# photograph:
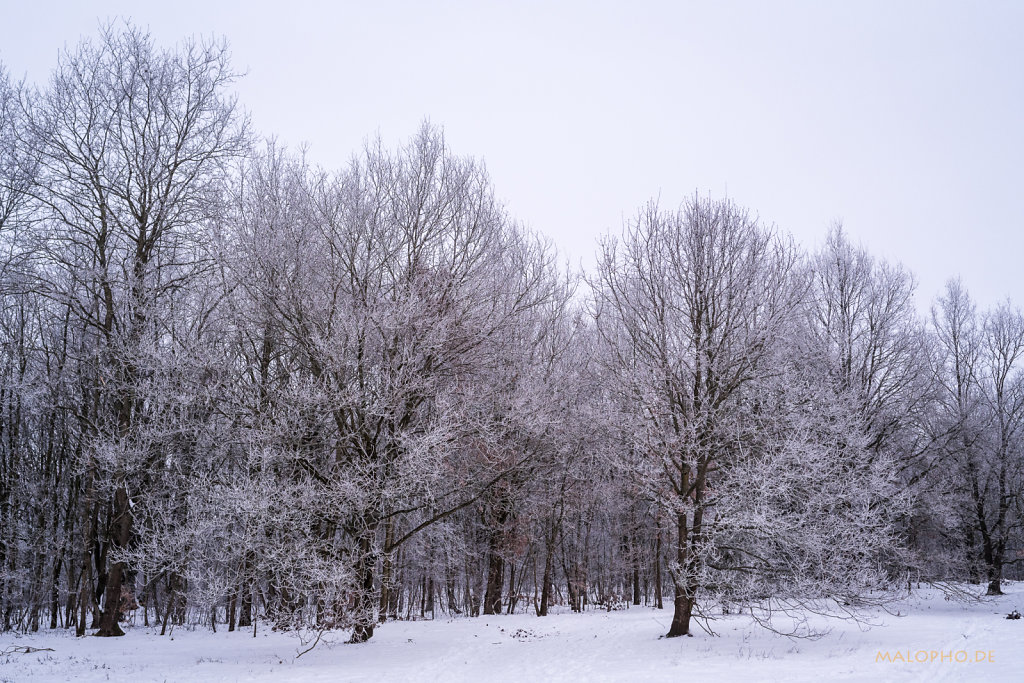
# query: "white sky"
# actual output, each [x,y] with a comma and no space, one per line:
[904,120]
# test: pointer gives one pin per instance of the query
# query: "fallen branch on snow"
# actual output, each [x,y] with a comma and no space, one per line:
[24,650]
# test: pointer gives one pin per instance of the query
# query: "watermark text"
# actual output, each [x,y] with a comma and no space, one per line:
[931,656]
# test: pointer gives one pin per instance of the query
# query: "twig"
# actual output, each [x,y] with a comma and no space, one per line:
[24,650]
[318,635]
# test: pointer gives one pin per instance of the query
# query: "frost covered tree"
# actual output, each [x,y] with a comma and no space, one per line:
[22,516]
[396,284]
[862,311]
[997,486]
[978,423]
[695,306]
[131,143]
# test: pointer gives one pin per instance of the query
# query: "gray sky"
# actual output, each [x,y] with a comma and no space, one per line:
[903,120]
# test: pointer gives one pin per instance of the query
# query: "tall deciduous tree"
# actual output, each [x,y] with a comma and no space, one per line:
[132,144]
[701,311]
[978,421]
[397,284]
[691,302]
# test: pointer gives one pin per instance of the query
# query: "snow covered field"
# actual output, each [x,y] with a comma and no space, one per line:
[595,646]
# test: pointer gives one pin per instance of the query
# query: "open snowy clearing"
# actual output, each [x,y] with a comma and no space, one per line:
[595,646]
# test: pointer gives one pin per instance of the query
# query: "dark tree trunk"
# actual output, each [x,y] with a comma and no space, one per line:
[995,540]
[55,592]
[995,575]
[70,611]
[232,610]
[495,581]
[84,593]
[245,589]
[387,571]
[169,597]
[683,598]
[364,618]
[449,592]
[245,612]
[657,572]
[513,594]
[495,557]
[571,585]
[121,528]
[545,590]
[89,530]
[994,584]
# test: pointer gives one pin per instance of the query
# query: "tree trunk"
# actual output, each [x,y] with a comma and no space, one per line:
[495,580]
[387,569]
[545,589]
[245,612]
[85,589]
[995,575]
[245,589]
[121,528]
[683,597]
[232,609]
[657,571]
[449,591]
[513,594]
[364,618]
[55,592]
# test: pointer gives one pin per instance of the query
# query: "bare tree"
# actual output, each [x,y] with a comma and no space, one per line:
[998,493]
[732,421]
[979,422]
[691,303]
[863,312]
[132,144]
[397,282]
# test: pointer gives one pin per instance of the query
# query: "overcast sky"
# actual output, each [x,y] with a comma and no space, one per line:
[903,120]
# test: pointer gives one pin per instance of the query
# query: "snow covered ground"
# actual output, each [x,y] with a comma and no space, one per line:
[595,646]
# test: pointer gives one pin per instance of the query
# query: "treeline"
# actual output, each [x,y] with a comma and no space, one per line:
[238,388]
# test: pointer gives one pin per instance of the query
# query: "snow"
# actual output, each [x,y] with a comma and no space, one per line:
[595,646]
